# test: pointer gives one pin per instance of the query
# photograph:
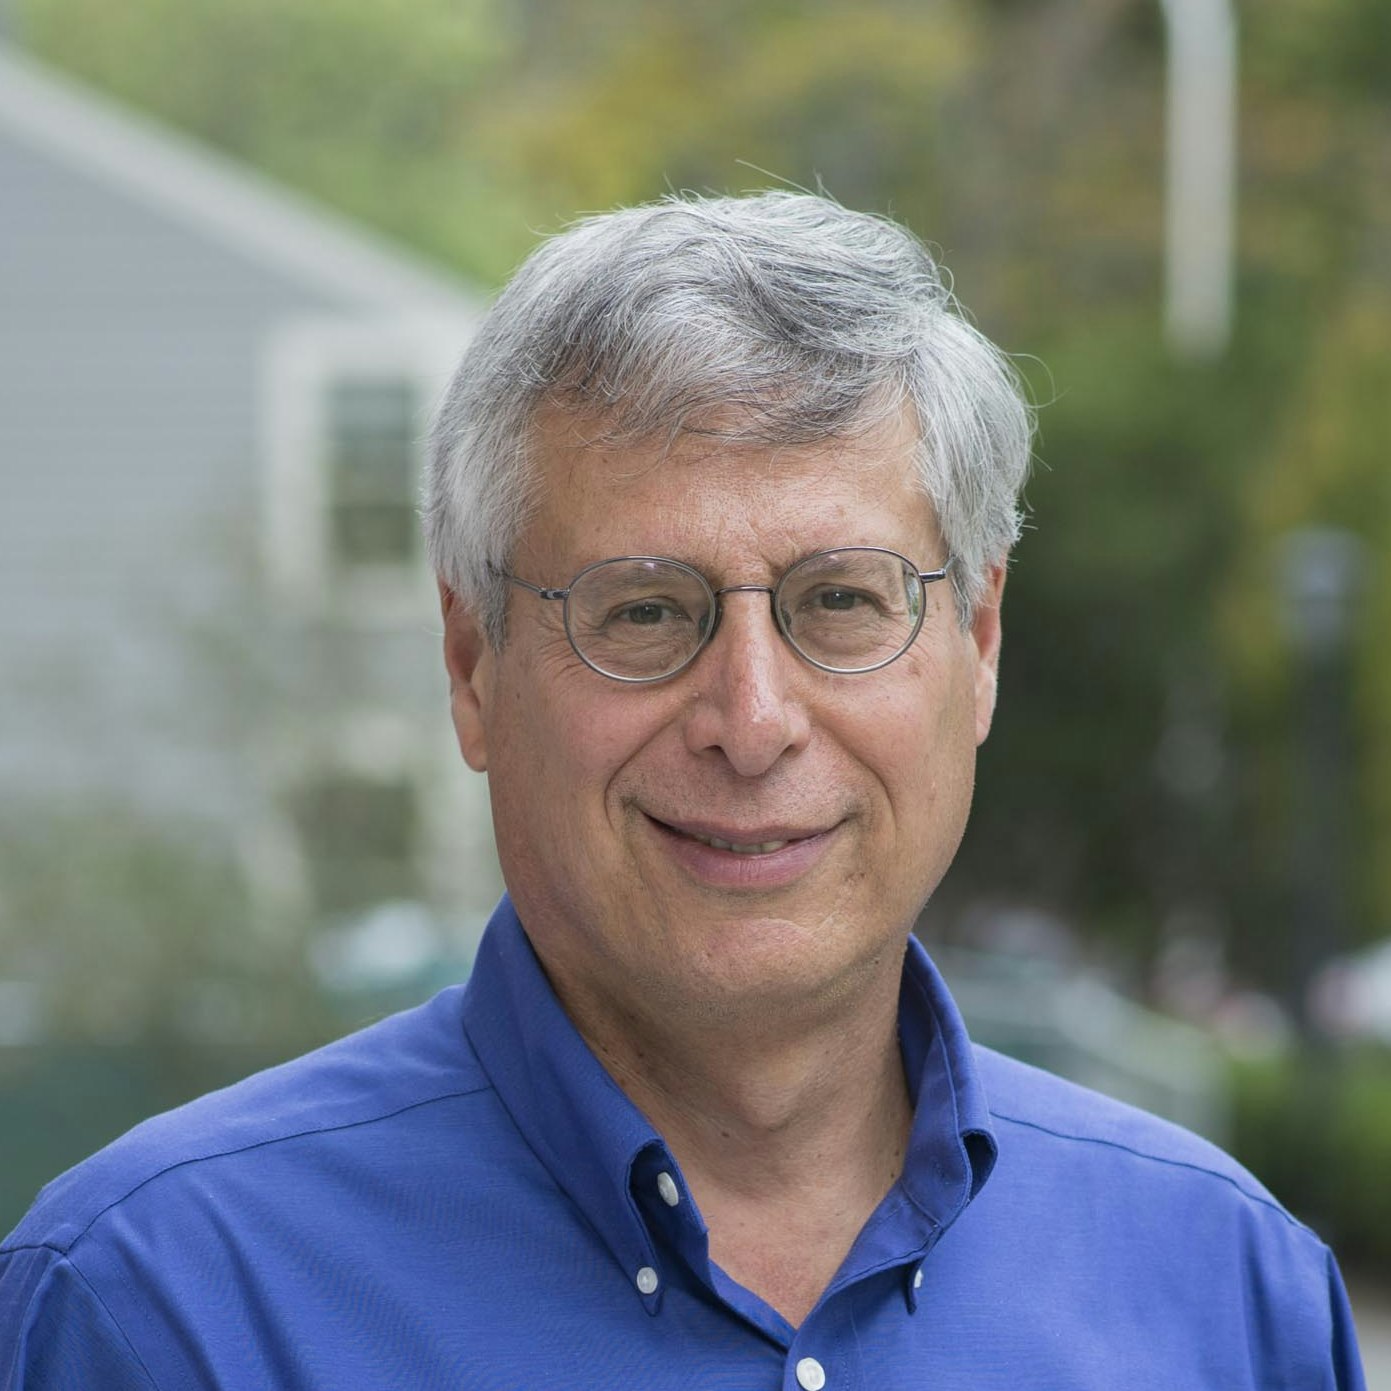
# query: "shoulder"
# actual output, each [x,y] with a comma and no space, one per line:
[393,1076]
[1102,1215]
[1060,1124]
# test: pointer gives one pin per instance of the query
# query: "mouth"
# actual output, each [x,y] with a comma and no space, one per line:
[770,857]
[754,841]
[762,847]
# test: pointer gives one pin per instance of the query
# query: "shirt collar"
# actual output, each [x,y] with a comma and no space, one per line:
[592,1139]
[951,1149]
[569,1110]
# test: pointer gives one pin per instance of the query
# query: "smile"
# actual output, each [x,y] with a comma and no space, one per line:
[750,842]
[763,847]
[744,859]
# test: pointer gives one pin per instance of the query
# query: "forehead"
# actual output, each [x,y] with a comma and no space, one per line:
[703,497]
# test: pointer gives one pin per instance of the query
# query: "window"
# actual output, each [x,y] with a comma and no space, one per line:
[360,839]
[372,809]
[345,409]
[372,459]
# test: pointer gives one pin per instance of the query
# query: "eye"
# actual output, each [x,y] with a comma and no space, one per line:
[648,613]
[838,600]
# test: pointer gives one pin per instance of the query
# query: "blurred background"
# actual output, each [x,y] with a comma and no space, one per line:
[241,242]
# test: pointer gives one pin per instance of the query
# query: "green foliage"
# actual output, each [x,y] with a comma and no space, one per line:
[1316,1128]
[803,92]
[1326,466]
[1335,46]
[133,930]
[462,127]
[364,104]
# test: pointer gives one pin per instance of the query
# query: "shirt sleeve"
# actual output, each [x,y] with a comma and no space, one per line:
[55,1332]
[1346,1361]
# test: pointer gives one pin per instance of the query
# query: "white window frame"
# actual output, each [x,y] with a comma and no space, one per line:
[304,358]
[456,855]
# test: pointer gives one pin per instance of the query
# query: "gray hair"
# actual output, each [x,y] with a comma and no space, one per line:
[778,318]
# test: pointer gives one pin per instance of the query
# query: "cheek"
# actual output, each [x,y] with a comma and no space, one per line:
[562,742]
[925,747]
[547,803]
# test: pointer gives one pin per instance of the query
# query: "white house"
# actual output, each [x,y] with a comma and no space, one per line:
[213,602]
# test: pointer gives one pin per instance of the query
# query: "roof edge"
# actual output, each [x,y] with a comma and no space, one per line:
[214,194]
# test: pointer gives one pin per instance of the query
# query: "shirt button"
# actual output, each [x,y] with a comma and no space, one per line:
[918,1278]
[666,1186]
[811,1375]
[647,1280]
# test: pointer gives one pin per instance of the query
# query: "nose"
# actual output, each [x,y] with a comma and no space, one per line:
[747,705]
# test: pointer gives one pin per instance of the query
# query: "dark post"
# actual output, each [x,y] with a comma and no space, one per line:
[1321,574]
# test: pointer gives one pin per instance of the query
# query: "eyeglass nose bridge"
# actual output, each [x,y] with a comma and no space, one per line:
[718,613]
[745,589]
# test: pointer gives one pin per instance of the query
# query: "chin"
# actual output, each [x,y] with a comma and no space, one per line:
[735,963]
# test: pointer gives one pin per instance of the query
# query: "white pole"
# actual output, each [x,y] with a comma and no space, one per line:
[1200,175]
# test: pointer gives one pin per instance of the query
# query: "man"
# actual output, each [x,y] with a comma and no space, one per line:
[721,502]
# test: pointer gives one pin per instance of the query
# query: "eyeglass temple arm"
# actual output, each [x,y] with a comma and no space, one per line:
[535,588]
[931,576]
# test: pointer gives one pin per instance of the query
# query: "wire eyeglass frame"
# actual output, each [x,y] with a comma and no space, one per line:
[715,596]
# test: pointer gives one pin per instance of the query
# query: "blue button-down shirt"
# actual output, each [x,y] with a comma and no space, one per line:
[462,1197]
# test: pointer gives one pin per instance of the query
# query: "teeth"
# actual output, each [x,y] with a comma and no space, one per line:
[762,848]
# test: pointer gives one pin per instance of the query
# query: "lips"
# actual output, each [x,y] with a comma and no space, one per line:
[753,840]
[760,858]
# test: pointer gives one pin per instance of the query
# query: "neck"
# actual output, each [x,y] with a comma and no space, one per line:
[788,1133]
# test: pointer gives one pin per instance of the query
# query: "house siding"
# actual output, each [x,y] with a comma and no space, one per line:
[146,662]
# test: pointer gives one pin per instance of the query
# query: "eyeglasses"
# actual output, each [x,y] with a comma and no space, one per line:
[645,618]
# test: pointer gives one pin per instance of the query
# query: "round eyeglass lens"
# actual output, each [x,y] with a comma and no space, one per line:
[851,610]
[638,619]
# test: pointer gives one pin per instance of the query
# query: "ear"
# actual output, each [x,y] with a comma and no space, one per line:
[468,657]
[985,635]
